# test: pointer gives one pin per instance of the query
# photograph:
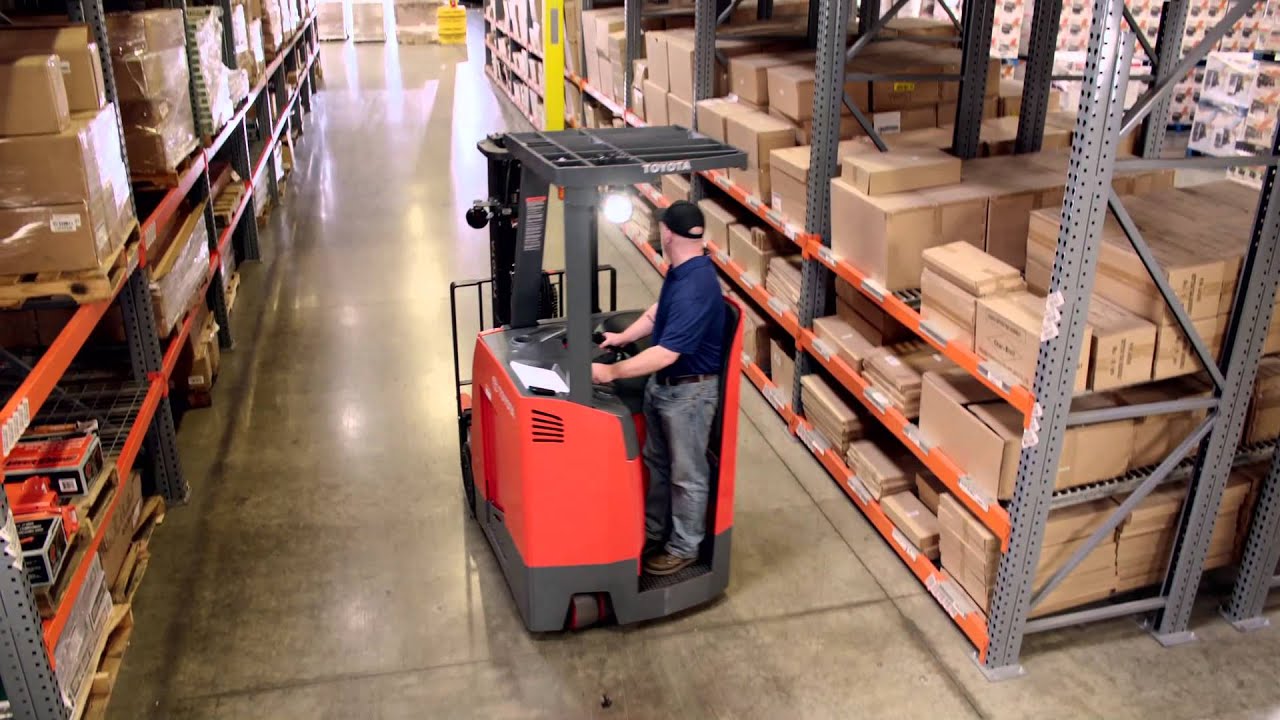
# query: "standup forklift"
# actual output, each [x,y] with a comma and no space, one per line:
[551,464]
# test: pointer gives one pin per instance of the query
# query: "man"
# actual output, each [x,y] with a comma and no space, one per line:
[687,324]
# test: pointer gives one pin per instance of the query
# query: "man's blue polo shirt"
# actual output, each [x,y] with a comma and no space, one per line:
[690,319]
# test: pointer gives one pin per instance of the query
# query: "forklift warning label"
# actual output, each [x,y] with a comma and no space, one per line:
[535,219]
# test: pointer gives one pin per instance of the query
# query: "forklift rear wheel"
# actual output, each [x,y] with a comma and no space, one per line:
[468,477]
[584,611]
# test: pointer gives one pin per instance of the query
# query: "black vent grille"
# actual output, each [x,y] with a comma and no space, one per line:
[547,428]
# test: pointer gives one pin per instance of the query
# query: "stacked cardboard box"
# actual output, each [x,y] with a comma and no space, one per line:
[982,434]
[789,174]
[869,319]
[884,467]
[367,23]
[178,273]
[758,134]
[930,490]
[78,58]
[970,552]
[897,372]
[65,198]
[1145,539]
[331,21]
[755,335]
[955,277]
[782,368]
[835,419]
[915,521]
[843,341]
[1008,331]
[675,187]
[149,56]
[783,280]
[597,25]
[754,248]
[1263,422]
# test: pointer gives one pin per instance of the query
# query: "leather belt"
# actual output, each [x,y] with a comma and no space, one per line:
[685,379]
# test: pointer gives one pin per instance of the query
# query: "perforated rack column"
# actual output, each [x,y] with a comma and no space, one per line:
[1257,575]
[704,67]
[1173,22]
[975,50]
[1084,211]
[1037,82]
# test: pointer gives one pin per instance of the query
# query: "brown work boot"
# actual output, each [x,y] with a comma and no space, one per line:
[666,564]
[651,547]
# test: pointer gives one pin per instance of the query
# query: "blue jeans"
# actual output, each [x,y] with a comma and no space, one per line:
[678,426]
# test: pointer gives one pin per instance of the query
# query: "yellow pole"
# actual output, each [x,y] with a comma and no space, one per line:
[553,64]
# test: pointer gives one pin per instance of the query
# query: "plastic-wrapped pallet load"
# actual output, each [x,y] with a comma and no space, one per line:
[181,269]
[212,80]
[331,21]
[74,652]
[273,30]
[416,21]
[65,198]
[246,60]
[367,20]
[77,52]
[148,53]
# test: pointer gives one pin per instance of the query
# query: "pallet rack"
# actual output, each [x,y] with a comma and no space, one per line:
[135,417]
[1102,119]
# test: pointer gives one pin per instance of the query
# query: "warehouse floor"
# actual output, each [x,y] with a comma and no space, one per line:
[325,568]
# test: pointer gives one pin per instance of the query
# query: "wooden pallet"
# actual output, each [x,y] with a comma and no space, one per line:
[91,506]
[125,584]
[93,696]
[224,206]
[233,291]
[169,178]
[80,286]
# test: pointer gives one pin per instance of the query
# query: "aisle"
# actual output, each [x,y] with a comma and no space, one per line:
[324,567]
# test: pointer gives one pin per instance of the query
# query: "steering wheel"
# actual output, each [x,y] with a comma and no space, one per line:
[611,355]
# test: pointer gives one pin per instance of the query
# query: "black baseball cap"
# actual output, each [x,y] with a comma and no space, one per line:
[684,219]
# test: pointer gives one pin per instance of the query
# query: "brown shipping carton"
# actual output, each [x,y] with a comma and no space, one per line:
[754,181]
[1155,436]
[782,369]
[136,33]
[789,181]
[943,325]
[948,299]
[758,134]
[984,453]
[675,187]
[901,170]
[718,220]
[791,91]
[962,213]
[748,75]
[883,236]
[1174,354]
[843,341]
[679,112]
[655,46]
[971,270]
[78,53]
[913,520]
[117,537]
[655,104]
[1008,331]
[755,336]
[680,65]
[54,238]
[1124,346]
[749,257]
[1095,452]
[876,325]
[72,166]
[712,115]
[929,488]
[33,97]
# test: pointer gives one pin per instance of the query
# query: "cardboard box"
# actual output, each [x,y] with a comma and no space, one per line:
[718,219]
[913,520]
[76,50]
[877,326]
[83,164]
[749,257]
[898,171]
[755,336]
[947,299]
[945,326]
[680,65]
[929,489]
[782,369]
[748,75]
[885,469]
[843,341]
[1174,355]
[758,134]
[679,112]
[1008,331]
[791,91]
[971,271]
[753,181]
[675,187]
[655,102]
[655,50]
[987,454]
[712,115]
[1155,436]
[883,236]
[33,97]
[55,238]
[1124,346]
[118,535]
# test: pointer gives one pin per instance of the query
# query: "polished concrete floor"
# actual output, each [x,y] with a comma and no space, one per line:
[325,567]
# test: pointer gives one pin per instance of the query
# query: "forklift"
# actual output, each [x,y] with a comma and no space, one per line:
[551,463]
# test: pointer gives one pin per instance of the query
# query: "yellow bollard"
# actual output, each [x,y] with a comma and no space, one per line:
[451,24]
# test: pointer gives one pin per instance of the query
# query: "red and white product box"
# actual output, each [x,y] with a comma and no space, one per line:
[71,463]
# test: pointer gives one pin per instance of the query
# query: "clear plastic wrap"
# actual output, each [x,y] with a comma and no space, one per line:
[238,82]
[246,59]
[213,93]
[159,133]
[140,33]
[151,75]
[65,199]
[177,278]
[272,27]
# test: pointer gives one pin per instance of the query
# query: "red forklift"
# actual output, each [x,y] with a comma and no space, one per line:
[551,464]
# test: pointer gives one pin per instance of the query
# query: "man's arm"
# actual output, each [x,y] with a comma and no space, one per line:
[642,327]
[649,361]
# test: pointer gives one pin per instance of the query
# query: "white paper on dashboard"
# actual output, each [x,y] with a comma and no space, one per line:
[536,377]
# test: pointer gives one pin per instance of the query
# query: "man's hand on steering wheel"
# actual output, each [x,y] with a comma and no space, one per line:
[611,340]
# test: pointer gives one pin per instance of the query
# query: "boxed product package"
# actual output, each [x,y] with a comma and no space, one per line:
[782,368]
[885,468]
[1008,331]
[159,134]
[1124,346]
[791,90]
[929,489]
[830,415]
[910,516]
[758,134]
[755,336]
[883,236]
[33,96]
[897,371]
[679,111]
[717,219]
[713,115]
[837,338]
[783,279]
[177,275]
[77,52]
[70,463]
[655,103]
[898,171]
[748,75]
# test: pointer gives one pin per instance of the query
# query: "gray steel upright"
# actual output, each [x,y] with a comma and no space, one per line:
[1246,334]
[1173,22]
[1037,82]
[1257,575]
[1089,175]
[978,15]
[634,30]
[704,73]
[868,14]
[823,161]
